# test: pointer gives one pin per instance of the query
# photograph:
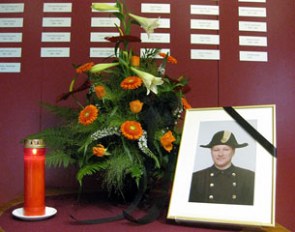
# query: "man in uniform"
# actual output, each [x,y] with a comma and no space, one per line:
[223,182]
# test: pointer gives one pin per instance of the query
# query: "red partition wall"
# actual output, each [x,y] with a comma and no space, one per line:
[223,82]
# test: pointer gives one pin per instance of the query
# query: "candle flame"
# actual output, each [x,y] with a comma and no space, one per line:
[34,151]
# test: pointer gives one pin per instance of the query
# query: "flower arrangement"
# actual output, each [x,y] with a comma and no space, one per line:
[128,124]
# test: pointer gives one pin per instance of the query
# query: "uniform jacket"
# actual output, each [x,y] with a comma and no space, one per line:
[234,185]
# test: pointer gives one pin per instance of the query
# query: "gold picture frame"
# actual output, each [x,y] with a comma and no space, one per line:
[254,129]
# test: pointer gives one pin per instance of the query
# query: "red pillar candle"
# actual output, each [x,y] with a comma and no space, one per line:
[34,177]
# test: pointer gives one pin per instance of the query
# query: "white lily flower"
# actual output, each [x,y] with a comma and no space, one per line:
[100,67]
[104,7]
[150,81]
[148,24]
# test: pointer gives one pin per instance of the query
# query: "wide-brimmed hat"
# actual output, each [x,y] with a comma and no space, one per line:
[224,138]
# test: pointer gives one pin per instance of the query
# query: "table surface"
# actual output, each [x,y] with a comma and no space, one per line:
[67,206]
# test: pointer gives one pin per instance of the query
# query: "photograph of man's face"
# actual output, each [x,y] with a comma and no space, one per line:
[222,156]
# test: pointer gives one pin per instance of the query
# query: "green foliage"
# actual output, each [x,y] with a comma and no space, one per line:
[58,158]
[89,170]
[120,166]
[136,172]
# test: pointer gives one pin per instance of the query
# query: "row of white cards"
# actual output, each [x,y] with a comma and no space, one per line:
[164,38]
[214,39]
[253,41]
[145,7]
[16,37]
[204,38]
[56,22]
[11,67]
[47,7]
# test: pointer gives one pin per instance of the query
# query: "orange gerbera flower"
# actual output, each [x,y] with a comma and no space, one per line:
[166,140]
[185,104]
[100,91]
[170,59]
[88,115]
[99,150]
[131,82]
[84,67]
[131,130]
[135,61]
[135,106]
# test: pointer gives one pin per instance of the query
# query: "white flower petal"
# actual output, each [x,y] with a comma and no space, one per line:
[148,24]
[150,81]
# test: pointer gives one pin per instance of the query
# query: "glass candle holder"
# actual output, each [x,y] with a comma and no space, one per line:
[34,177]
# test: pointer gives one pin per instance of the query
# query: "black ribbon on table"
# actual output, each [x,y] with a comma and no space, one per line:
[128,211]
[251,130]
[162,198]
[152,214]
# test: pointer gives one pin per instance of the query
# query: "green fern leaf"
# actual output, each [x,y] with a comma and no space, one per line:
[58,159]
[89,170]
[136,173]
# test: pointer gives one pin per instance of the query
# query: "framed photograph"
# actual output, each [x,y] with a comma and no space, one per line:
[226,167]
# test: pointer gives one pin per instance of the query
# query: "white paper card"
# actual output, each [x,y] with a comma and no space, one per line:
[10,67]
[252,11]
[11,22]
[57,7]
[108,3]
[155,8]
[12,7]
[10,52]
[204,39]
[205,54]
[101,52]
[100,36]
[205,24]
[252,0]
[252,26]
[11,37]
[56,22]
[260,41]
[56,37]
[204,10]
[164,50]
[104,22]
[155,38]
[164,23]
[253,56]
[55,52]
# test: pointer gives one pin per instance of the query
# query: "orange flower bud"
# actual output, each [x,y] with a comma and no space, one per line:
[99,150]
[166,141]
[135,61]
[185,104]
[84,67]
[100,91]
[170,59]
[136,106]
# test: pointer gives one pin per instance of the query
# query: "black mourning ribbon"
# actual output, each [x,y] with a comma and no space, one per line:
[251,130]
[120,216]
[152,214]
[161,200]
